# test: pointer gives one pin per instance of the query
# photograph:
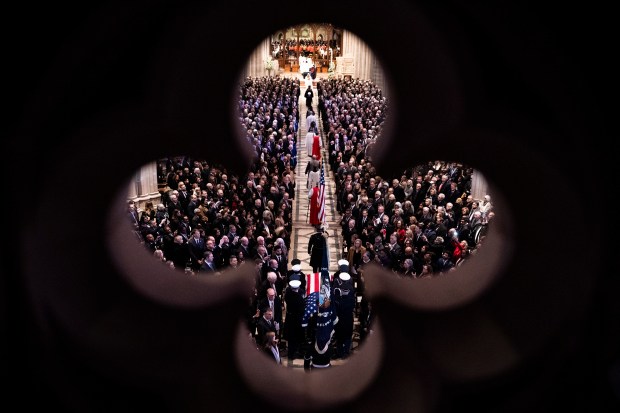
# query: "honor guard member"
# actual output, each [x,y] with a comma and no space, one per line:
[293,330]
[295,274]
[343,266]
[326,319]
[343,300]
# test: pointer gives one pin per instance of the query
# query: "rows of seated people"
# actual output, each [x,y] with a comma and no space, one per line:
[292,47]
[429,210]
[421,223]
[209,220]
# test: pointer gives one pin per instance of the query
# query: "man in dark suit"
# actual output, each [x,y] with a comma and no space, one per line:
[196,246]
[389,205]
[222,252]
[395,251]
[289,186]
[272,301]
[385,228]
[348,229]
[244,247]
[264,324]
[192,206]
[179,253]
[208,266]
[454,193]
[232,232]
[418,195]
[378,216]
[278,255]
[184,196]
[133,216]
[273,281]
[335,146]
[399,192]
[443,186]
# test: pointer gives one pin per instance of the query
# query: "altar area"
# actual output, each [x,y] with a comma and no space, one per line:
[304,83]
[305,63]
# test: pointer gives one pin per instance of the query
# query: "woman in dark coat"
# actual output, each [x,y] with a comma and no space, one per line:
[316,245]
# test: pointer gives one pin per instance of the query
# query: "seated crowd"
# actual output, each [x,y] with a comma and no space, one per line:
[423,222]
[418,225]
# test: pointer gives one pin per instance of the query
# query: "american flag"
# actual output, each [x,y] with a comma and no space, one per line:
[313,283]
[327,318]
[321,213]
[313,286]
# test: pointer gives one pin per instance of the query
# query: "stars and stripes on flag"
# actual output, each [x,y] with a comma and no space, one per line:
[326,321]
[311,308]
[321,213]
[313,286]
[313,283]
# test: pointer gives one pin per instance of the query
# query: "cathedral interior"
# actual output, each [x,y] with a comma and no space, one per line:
[97,91]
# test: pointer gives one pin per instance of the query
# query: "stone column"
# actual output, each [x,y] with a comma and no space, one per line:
[479,186]
[143,186]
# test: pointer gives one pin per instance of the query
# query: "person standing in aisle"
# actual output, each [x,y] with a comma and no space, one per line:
[295,307]
[317,144]
[344,304]
[316,246]
[312,130]
[313,196]
[311,121]
[309,95]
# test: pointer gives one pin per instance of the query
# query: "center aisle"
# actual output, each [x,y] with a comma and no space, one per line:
[302,230]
